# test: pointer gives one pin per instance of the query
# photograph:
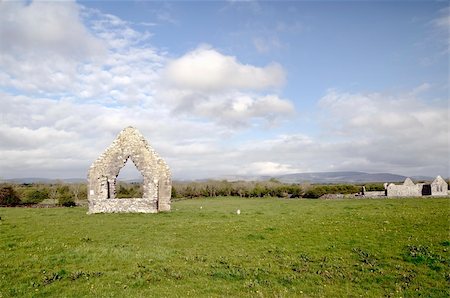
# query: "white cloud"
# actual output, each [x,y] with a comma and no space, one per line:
[210,85]
[375,114]
[201,83]
[45,27]
[273,38]
[443,21]
[208,70]
[21,138]
[396,132]
[62,138]
[233,109]
[118,34]
[268,168]
[373,132]
[62,106]
[78,52]
[441,24]
[67,136]
[42,45]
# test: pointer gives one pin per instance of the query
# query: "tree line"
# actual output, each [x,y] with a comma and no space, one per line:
[52,194]
[270,188]
[65,194]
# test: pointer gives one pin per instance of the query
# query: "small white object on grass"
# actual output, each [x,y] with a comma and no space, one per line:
[238,211]
[201,207]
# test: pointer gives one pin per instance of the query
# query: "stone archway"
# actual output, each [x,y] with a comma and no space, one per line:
[102,176]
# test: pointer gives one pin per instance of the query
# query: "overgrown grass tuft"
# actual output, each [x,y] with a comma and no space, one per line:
[275,247]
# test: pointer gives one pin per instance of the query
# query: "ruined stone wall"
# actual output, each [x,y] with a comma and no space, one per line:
[404,190]
[407,189]
[136,205]
[439,187]
[374,194]
[102,176]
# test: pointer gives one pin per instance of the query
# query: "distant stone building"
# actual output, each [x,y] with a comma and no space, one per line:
[408,189]
[102,176]
[439,187]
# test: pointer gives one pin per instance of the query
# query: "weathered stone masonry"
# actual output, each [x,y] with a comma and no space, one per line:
[102,176]
[408,189]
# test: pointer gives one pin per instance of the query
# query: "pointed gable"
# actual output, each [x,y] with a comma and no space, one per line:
[102,176]
[408,182]
[439,180]
[439,187]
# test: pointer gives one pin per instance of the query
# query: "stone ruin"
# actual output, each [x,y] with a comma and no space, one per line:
[102,176]
[409,189]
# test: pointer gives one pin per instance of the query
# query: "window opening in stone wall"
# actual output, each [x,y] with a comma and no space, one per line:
[426,190]
[108,187]
[129,182]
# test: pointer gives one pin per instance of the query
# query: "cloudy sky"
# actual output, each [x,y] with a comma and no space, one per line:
[226,88]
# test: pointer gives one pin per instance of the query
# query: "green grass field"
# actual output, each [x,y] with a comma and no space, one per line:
[275,247]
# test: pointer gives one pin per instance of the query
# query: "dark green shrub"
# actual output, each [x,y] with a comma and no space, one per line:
[252,189]
[36,196]
[66,200]
[374,187]
[174,193]
[315,192]
[245,189]
[260,190]
[8,196]
[295,191]
[65,197]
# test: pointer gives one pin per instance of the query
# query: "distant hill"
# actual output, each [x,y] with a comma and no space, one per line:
[340,177]
[331,177]
[316,177]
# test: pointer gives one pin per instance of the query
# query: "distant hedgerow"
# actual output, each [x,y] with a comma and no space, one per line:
[8,196]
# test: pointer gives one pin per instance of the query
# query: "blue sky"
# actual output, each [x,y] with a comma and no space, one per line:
[226,88]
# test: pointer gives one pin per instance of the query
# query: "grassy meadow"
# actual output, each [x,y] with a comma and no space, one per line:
[275,247]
